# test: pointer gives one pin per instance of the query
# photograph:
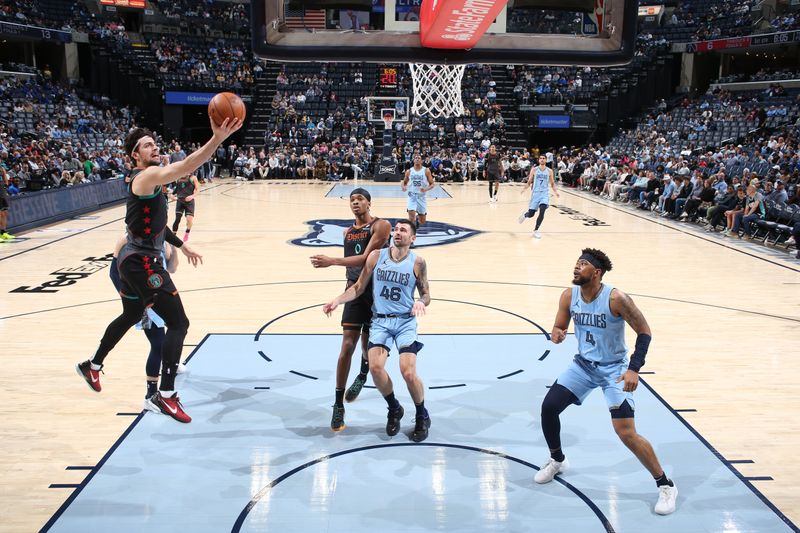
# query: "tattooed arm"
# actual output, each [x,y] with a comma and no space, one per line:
[622,305]
[421,271]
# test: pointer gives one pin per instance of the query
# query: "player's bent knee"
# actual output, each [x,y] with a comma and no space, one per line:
[557,399]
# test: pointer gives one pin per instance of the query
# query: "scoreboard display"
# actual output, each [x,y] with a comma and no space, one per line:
[124,3]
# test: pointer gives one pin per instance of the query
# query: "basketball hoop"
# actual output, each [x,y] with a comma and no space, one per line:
[388,119]
[437,90]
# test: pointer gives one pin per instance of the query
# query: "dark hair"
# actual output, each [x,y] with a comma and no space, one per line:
[133,138]
[602,258]
[410,224]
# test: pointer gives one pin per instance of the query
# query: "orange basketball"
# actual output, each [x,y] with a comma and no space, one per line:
[226,105]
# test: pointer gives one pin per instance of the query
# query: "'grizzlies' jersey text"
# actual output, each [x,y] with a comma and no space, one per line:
[601,335]
[393,284]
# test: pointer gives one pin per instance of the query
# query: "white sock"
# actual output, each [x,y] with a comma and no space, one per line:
[166,393]
[94,366]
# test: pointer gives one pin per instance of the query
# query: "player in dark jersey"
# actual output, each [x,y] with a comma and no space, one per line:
[366,234]
[4,204]
[185,189]
[145,281]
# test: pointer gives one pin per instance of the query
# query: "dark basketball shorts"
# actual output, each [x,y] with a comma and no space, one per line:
[143,276]
[357,314]
[3,202]
[182,206]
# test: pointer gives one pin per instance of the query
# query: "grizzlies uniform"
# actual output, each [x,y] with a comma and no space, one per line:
[141,265]
[393,297]
[358,313]
[183,189]
[540,189]
[417,201]
[603,354]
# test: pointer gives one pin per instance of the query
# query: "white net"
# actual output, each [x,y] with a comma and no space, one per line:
[437,90]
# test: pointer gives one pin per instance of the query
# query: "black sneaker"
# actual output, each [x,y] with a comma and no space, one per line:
[393,421]
[337,420]
[421,428]
[355,389]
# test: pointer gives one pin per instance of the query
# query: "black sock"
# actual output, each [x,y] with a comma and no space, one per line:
[557,455]
[152,388]
[664,480]
[364,367]
[188,230]
[392,401]
[339,397]
[421,411]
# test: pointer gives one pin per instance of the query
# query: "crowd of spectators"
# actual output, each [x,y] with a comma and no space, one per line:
[204,61]
[202,16]
[49,137]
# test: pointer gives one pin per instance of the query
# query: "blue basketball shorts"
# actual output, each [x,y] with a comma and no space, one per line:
[402,331]
[581,377]
[537,200]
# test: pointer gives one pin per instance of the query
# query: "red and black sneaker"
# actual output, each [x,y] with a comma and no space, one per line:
[92,377]
[170,406]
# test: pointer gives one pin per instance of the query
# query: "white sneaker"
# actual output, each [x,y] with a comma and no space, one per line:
[181,369]
[553,467]
[150,406]
[521,218]
[537,234]
[666,499]
[789,241]
[684,214]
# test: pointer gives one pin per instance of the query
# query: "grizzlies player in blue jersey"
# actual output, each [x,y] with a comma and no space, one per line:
[144,280]
[394,272]
[540,179]
[367,233]
[417,181]
[600,312]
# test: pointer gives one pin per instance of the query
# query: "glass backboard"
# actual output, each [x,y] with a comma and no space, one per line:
[537,32]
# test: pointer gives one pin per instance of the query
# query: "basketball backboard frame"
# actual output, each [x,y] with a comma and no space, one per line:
[273,40]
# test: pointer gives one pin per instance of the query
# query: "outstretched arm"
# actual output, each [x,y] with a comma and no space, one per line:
[357,288]
[530,180]
[380,234]
[421,272]
[151,177]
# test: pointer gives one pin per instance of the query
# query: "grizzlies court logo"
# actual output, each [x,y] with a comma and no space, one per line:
[330,232]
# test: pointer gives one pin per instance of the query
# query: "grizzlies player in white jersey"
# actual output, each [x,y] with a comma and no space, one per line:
[415,183]
[394,272]
[600,313]
[540,179]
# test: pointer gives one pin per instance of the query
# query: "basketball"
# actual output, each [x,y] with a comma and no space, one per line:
[226,105]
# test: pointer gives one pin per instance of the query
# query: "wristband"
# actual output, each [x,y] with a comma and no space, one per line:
[639,353]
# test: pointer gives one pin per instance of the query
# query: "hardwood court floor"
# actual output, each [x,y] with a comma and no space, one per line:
[723,313]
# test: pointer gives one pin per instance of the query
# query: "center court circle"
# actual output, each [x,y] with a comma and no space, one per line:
[410,487]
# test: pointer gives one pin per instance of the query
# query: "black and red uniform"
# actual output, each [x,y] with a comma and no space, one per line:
[358,313]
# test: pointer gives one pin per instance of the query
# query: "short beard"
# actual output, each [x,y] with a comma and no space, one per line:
[154,163]
[580,282]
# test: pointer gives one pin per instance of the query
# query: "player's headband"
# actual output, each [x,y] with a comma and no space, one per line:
[590,258]
[136,146]
[363,192]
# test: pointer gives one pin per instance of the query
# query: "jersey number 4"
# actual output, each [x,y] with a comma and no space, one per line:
[590,339]
[393,294]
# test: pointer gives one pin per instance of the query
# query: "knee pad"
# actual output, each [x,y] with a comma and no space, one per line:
[557,399]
